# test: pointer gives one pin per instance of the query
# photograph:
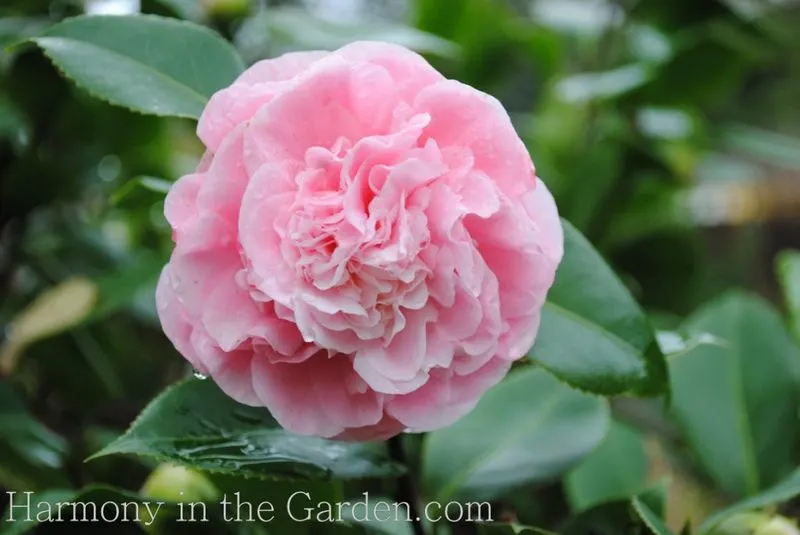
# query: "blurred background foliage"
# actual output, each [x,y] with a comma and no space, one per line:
[669,132]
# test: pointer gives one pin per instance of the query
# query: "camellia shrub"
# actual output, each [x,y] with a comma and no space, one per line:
[386,326]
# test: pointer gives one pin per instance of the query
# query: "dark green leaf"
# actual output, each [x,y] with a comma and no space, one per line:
[13,123]
[616,469]
[530,427]
[149,64]
[195,424]
[615,518]
[737,404]
[30,454]
[593,333]
[651,520]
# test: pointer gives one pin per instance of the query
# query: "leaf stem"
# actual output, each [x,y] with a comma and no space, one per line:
[406,488]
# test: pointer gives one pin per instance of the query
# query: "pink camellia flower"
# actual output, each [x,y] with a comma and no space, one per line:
[365,247]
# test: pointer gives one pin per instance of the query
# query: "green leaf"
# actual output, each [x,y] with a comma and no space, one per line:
[30,454]
[651,520]
[593,333]
[637,515]
[789,276]
[195,424]
[149,64]
[616,469]
[737,404]
[13,123]
[15,29]
[296,28]
[530,427]
[779,493]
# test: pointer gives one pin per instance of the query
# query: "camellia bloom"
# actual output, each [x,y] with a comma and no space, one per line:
[365,247]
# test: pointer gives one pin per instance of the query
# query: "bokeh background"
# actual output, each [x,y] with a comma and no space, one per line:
[668,131]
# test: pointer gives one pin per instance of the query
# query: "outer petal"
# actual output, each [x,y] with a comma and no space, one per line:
[174,321]
[231,370]
[255,87]
[281,68]
[541,208]
[446,397]
[180,204]
[320,396]
[410,71]
[345,101]
[462,116]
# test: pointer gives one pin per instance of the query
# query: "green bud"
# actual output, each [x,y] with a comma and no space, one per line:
[740,524]
[175,484]
[755,524]
[778,526]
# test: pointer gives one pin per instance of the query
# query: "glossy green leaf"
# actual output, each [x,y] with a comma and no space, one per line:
[593,334]
[651,520]
[149,64]
[195,424]
[789,277]
[737,403]
[616,469]
[531,427]
[30,454]
[777,494]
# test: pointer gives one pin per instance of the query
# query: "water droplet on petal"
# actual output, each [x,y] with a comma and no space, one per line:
[199,375]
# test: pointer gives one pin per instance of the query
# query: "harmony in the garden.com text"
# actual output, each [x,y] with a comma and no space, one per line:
[299,507]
